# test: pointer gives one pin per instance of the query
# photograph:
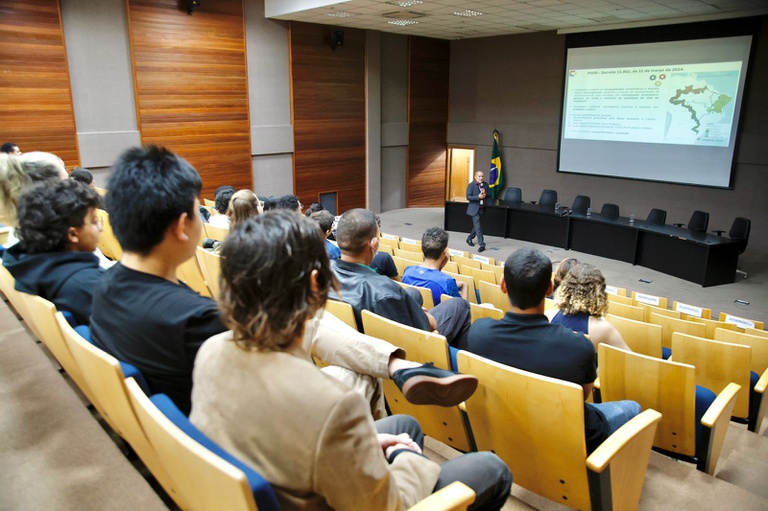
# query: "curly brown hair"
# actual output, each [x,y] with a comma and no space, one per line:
[582,290]
[266,267]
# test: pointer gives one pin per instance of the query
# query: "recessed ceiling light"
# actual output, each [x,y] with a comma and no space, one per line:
[468,13]
[402,23]
[406,3]
[341,14]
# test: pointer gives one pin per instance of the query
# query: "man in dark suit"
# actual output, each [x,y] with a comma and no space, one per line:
[476,195]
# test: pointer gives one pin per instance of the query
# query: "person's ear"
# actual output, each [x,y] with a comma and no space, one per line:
[551,288]
[313,280]
[179,227]
[72,235]
[503,286]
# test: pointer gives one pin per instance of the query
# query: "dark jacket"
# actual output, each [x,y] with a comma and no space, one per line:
[363,288]
[473,196]
[68,279]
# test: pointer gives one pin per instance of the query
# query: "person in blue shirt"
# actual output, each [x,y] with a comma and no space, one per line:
[325,219]
[434,245]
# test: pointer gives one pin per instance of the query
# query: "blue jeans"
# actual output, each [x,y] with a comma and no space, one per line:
[618,413]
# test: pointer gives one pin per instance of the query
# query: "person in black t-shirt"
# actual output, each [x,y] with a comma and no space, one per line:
[525,339]
[141,313]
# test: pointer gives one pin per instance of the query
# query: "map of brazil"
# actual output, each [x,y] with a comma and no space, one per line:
[689,104]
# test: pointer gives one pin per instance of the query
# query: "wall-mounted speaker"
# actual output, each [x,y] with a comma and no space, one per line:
[337,39]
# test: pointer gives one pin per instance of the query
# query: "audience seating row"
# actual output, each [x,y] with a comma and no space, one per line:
[195,472]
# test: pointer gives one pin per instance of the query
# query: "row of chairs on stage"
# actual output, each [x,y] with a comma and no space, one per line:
[699,220]
[194,471]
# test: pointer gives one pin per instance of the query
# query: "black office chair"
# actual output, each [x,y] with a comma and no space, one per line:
[739,232]
[581,204]
[657,217]
[548,198]
[610,211]
[699,221]
[513,195]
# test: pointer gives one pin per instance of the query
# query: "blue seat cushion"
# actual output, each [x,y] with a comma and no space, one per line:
[262,491]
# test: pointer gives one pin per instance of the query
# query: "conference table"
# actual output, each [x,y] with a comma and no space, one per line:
[698,257]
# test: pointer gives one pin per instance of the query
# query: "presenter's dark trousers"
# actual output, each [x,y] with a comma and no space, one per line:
[477,228]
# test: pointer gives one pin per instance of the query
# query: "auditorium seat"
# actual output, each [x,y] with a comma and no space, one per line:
[581,204]
[548,198]
[610,211]
[513,195]
[699,221]
[657,217]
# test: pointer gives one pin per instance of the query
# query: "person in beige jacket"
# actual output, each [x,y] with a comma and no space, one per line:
[257,394]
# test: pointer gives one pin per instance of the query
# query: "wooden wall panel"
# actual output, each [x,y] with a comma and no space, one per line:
[429,60]
[328,100]
[192,87]
[36,107]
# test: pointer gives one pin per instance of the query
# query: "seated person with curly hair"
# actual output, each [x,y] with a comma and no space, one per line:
[58,231]
[257,394]
[583,306]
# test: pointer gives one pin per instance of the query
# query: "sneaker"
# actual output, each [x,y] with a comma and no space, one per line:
[469,242]
[429,385]
[481,248]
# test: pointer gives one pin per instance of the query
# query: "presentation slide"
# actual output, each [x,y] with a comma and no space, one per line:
[657,111]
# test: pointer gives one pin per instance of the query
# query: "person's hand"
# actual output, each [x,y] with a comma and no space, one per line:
[391,443]
[482,193]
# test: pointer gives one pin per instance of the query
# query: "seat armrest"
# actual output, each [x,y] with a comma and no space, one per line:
[758,403]
[454,497]
[624,438]
[715,422]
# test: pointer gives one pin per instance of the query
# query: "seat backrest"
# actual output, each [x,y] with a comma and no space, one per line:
[210,266]
[386,248]
[689,310]
[209,203]
[189,273]
[641,337]
[648,299]
[669,387]
[626,311]
[671,325]
[390,242]
[699,221]
[610,211]
[207,476]
[215,233]
[535,424]
[8,287]
[451,267]
[512,194]
[759,345]
[408,254]
[580,204]
[343,311]
[427,299]
[657,217]
[650,309]
[741,322]
[545,456]
[484,311]
[466,261]
[710,324]
[624,300]
[479,275]
[402,263]
[548,197]
[492,294]
[41,316]
[442,423]
[717,364]
[105,378]
[469,281]
[495,268]
[740,229]
[108,243]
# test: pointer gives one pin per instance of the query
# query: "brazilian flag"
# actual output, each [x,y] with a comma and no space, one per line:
[496,178]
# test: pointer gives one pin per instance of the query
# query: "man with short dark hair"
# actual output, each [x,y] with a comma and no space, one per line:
[434,246]
[83,175]
[525,339]
[358,237]
[58,231]
[289,202]
[10,148]
[325,220]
